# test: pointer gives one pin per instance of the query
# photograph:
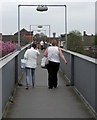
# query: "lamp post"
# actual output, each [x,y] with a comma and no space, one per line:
[30,30]
[40,26]
[49,30]
[40,31]
[41,8]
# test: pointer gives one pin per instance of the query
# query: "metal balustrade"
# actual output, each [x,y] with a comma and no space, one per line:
[10,74]
[80,71]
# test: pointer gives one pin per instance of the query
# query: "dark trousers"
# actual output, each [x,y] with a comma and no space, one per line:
[41,47]
[52,68]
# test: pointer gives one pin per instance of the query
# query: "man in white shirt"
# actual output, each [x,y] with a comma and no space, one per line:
[31,63]
[41,43]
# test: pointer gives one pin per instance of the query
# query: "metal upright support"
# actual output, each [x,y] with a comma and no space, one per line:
[30,33]
[72,69]
[16,69]
[66,26]
[49,33]
[18,26]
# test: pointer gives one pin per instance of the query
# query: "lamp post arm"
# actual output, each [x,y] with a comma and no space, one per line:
[45,25]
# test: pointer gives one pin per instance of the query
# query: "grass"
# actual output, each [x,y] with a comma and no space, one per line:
[10,101]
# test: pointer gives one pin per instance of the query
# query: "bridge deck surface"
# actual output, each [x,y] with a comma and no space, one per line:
[41,102]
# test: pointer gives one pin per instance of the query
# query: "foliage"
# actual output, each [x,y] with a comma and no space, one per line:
[75,42]
[36,36]
[95,40]
[39,37]
[6,47]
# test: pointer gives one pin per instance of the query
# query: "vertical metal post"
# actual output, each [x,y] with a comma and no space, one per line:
[1,101]
[33,36]
[49,33]
[66,25]
[16,69]
[72,69]
[95,59]
[45,32]
[19,47]
[96,86]
[30,33]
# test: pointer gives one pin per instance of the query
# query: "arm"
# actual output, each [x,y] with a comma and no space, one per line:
[38,52]
[45,53]
[25,55]
[61,54]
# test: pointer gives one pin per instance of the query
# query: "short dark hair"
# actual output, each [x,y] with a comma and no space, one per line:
[34,45]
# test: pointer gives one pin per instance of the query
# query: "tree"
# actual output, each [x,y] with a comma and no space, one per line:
[75,42]
[39,37]
[95,40]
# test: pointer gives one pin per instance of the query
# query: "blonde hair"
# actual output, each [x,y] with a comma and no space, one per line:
[54,42]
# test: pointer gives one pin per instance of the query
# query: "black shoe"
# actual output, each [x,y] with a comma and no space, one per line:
[27,88]
[49,87]
[55,86]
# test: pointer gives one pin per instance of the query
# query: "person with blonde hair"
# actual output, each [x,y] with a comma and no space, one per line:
[53,53]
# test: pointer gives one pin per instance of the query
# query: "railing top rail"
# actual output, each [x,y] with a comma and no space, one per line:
[93,60]
[10,56]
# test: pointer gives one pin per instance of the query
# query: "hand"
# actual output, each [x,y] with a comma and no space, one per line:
[65,62]
[36,48]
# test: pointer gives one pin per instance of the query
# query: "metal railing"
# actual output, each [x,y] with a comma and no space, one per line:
[81,71]
[10,74]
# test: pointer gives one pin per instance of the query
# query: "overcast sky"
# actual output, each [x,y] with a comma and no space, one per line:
[81,16]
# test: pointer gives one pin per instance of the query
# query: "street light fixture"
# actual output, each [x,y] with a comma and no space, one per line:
[49,30]
[41,8]
[40,26]
[40,31]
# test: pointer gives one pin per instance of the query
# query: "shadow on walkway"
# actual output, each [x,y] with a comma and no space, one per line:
[41,102]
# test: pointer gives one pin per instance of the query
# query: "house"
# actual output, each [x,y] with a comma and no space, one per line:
[90,50]
[52,38]
[25,37]
[88,40]
[25,34]
[10,38]
[62,41]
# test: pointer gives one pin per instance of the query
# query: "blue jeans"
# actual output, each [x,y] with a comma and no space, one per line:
[28,75]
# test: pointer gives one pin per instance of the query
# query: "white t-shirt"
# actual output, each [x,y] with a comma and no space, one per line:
[41,43]
[31,57]
[53,54]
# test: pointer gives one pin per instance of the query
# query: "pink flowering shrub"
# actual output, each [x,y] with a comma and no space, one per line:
[6,48]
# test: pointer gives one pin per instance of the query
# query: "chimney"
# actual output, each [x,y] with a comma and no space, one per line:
[0,36]
[84,33]
[54,34]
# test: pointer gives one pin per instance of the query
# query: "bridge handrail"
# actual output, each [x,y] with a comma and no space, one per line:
[90,59]
[81,71]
